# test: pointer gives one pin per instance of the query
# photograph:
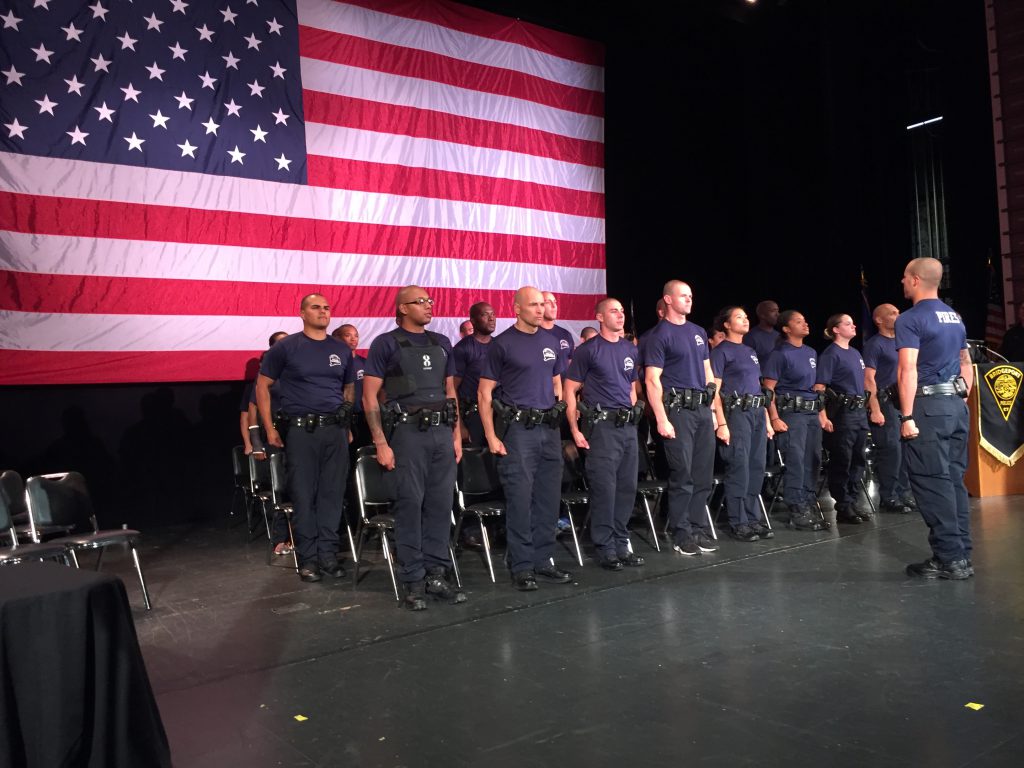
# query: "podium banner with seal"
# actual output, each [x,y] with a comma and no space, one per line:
[1001,410]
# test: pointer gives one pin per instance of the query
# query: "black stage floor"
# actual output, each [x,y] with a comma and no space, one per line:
[809,649]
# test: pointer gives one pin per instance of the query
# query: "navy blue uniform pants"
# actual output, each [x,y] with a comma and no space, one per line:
[531,476]
[612,474]
[936,462]
[317,471]
[744,460]
[421,486]
[691,463]
[801,450]
[890,462]
[846,454]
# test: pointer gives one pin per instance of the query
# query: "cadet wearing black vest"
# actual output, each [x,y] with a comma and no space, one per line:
[417,440]
[315,390]
[934,373]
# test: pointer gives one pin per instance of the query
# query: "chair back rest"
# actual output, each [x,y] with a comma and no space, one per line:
[260,472]
[240,467]
[478,475]
[370,487]
[12,490]
[61,499]
[6,523]
[277,476]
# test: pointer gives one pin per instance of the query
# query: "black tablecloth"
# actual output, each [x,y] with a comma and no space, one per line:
[75,689]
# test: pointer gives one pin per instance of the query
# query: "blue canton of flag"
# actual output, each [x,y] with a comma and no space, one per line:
[200,86]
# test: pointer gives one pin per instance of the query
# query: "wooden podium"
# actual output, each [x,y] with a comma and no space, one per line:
[986,475]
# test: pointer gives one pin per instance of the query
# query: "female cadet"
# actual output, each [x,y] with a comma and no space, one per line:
[741,446]
[790,372]
[841,378]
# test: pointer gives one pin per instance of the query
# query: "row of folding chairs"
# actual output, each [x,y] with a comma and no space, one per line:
[51,517]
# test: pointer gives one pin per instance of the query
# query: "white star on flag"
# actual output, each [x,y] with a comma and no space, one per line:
[11,21]
[232,108]
[207,80]
[13,76]
[152,22]
[283,163]
[187,149]
[73,32]
[155,73]
[258,134]
[275,28]
[253,41]
[184,102]
[179,6]
[177,52]
[278,70]
[280,118]
[75,87]
[130,94]
[41,53]
[77,136]
[205,33]
[231,61]
[229,17]
[134,142]
[127,42]
[101,64]
[159,120]
[15,128]
[210,126]
[105,113]
[98,11]
[236,156]
[45,105]
[255,89]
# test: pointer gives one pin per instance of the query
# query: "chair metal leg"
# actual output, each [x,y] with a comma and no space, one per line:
[74,558]
[390,560]
[291,538]
[142,579]
[455,568]
[871,504]
[575,538]
[361,531]
[351,541]
[764,511]
[99,557]
[650,521]
[487,548]
[711,522]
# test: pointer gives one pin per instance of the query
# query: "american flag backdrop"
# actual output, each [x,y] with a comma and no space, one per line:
[175,176]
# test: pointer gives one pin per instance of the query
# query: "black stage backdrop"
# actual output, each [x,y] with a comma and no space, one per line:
[753,150]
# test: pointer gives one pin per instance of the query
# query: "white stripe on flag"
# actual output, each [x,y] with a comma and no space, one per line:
[148,333]
[63,255]
[55,177]
[368,84]
[409,33]
[375,147]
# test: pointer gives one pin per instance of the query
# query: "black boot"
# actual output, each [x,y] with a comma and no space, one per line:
[438,586]
[414,597]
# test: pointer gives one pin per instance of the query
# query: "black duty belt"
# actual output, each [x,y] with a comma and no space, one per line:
[849,402]
[311,421]
[691,399]
[620,417]
[530,417]
[797,404]
[467,407]
[424,418]
[743,402]
[955,387]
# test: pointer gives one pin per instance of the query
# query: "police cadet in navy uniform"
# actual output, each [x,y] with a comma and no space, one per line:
[688,413]
[605,367]
[349,334]
[564,338]
[934,373]
[880,382]
[763,338]
[315,386]
[737,372]
[840,378]
[796,418]
[416,434]
[469,356]
[519,398]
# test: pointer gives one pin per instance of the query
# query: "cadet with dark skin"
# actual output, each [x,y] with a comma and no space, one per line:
[469,356]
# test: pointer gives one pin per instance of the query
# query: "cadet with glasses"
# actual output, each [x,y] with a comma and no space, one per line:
[418,444]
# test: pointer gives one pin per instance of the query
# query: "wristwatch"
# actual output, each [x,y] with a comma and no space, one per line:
[906,418]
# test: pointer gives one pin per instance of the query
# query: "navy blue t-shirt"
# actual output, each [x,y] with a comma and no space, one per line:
[841,369]
[248,396]
[275,397]
[469,356]
[385,356]
[738,366]
[607,370]
[311,374]
[880,354]
[793,370]
[565,341]
[937,332]
[680,352]
[761,341]
[359,362]
[524,365]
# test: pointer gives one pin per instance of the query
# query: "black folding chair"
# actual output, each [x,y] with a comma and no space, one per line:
[574,490]
[63,500]
[16,552]
[478,479]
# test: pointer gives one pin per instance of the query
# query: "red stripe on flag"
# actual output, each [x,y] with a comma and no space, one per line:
[341,173]
[326,45]
[90,218]
[87,294]
[30,367]
[474,21]
[349,112]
